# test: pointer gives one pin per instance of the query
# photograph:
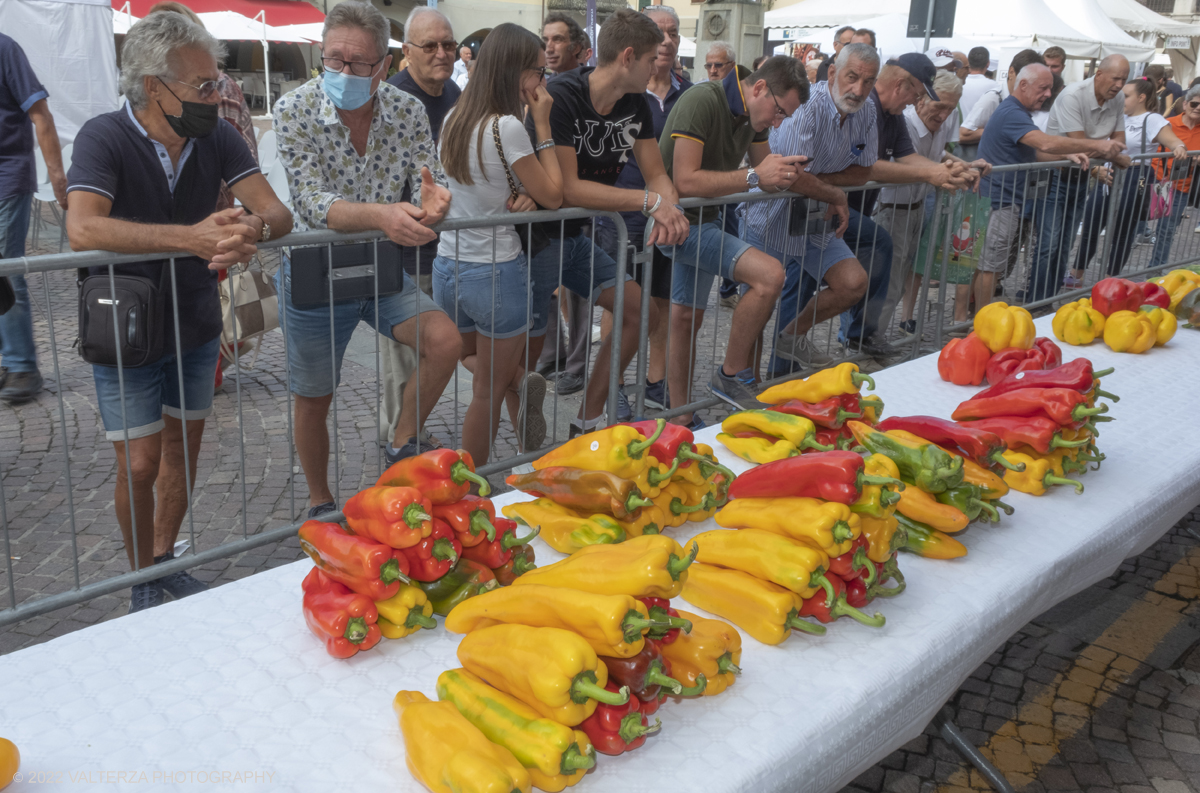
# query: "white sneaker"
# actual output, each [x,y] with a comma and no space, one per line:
[800,350]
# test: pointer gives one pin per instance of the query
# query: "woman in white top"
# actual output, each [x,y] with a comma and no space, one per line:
[1145,131]
[481,276]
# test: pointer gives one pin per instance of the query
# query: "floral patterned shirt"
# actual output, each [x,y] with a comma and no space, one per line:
[322,165]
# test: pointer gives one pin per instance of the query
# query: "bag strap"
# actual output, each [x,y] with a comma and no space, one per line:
[512,185]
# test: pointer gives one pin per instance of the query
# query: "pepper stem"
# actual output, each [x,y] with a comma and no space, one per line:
[389,571]
[1103,373]
[986,508]
[443,549]
[860,560]
[679,508]
[417,618]
[858,378]
[995,502]
[725,665]
[841,531]
[843,416]
[1051,479]
[521,566]
[356,630]
[634,625]
[696,690]
[1081,411]
[632,727]
[810,442]
[657,677]
[655,476]
[819,579]
[574,760]
[892,570]
[636,502]
[511,540]
[415,515]
[843,609]
[1057,442]
[480,523]
[459,473]
[1072,467]
[584,687]
[804,626]
[999,458]
[883,481]
[680,623]
[637,447]
[676,566]
[875,402]
[1106,394]
[1103,418]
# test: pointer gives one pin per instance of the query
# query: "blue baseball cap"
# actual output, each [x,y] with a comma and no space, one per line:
[918,66]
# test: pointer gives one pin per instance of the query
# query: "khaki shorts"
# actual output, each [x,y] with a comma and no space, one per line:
[1005,232]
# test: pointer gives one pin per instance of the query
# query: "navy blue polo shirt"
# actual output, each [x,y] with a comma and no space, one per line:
[1001,145]
[114,158]
[19,91]
[894,143]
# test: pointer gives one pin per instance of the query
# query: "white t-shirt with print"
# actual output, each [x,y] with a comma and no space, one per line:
[1133,132]
[487,196]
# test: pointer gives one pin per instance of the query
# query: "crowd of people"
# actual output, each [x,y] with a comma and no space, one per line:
[521,123]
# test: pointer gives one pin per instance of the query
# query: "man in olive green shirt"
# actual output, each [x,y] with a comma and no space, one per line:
[710,129]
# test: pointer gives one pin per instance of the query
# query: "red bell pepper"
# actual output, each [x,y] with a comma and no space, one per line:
[343,620]
[520,564]
[1050,350]
[816,606]
[1014,359]
[832,476]
[676,447]
[854,564]
[1061,405]
[616,729]
[857,593]
[1155,295]
[871,406]
[985,448]
[1038,433]
[472,518]
[964,361]
[497,552]
[1117,294]
[841,439]
[369,568]
[1076,375]
[443,475]
[398,517]
[827,413]
[662,613]
[642,673]
[432,557]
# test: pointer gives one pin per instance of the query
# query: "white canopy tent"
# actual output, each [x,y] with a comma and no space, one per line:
[1144,24]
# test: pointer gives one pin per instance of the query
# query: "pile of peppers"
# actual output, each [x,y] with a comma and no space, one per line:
[1046,421]
[805,416]
[1130,317]
[979,356]
[618,483]
[415,544]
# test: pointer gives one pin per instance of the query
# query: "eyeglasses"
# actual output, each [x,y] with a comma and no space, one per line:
[541,71]
[779,111]
[718,65]
[357,68]
[205,90]
[432,47]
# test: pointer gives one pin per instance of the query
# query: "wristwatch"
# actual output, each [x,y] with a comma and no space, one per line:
[266,229]
[751,178]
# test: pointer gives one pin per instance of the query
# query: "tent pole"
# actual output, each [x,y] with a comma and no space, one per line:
[928,25]
[261,16]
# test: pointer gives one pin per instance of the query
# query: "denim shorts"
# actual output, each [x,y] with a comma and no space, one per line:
[815,260]
[707,253]
[480,298]
[583,275]
[315,360]
[151,391]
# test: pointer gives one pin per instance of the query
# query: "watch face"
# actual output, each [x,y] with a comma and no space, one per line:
[752,178]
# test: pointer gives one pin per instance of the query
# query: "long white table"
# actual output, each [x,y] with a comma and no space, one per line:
[232,682]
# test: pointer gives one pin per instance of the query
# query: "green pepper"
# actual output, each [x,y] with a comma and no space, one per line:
[465,580]
[925,465]
[924,540]
[968,499]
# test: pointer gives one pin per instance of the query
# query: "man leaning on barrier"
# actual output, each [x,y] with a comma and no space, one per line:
[146,179]
[351,144]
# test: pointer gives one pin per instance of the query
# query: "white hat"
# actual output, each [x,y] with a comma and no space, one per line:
[940,57]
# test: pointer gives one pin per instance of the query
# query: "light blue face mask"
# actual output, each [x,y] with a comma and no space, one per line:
[347,91]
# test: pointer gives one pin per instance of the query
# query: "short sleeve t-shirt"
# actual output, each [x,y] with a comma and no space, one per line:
[713,114]
[603,144]
[1001,145]
[19,91]
[436,107]
[1075,109]
[114,158]
[487,195]
[1153,124]
[894,143]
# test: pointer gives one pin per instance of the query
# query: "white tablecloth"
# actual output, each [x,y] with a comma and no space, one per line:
[232,682]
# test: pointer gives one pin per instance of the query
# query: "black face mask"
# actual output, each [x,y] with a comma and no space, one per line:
[196,120]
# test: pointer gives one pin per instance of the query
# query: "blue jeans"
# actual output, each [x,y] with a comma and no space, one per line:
[1058,217]
[707,253]
[484,298]
[17,350]
[1167,226]
[872,246]
[587,270]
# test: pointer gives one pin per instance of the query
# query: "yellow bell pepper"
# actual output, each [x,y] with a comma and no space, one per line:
[712,649]
[758,449]
[796,430]
[448,754]
[405,613]
[694,473]
[1037,476]
[1164,323]
[1001,326]
[772,557]
[553,671]
[564,529]
[764,610]
[882,539]
[841,379]
[828,526]
[650,520]
[1078,323]
[1128,331]
[614,625]
[653,565]
[619,449]
[678,501]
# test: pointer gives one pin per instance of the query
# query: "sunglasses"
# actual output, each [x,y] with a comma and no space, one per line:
[432,47]
[1193,105]
[722,64]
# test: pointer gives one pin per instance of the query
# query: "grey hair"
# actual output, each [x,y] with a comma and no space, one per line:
[149,51]
[946,83]
[657,9]
[865,53]
[1192,93]
[417,13]
[362,16]
[722,45]
[1027,74]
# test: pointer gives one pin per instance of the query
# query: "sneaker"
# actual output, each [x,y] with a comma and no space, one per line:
[146,596]
[531,422]
[410,449]
[873,345]
[547,369]
[656,395]
[582,427]
[3,375]
[179,584]
[1071,282]
[568,383]
[697,424]
[1197,231]
[20,387]
[624,412]
[731,301]
[798,349]
[740,390]
[908,327]
[321,509]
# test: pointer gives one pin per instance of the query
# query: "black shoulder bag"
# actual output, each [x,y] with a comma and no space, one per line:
[537,241]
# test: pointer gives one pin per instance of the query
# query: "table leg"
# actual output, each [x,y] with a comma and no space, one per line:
[950,733]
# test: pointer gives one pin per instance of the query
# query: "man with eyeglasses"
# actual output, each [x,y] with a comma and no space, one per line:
[145,179]
[351,145]
[719,61]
